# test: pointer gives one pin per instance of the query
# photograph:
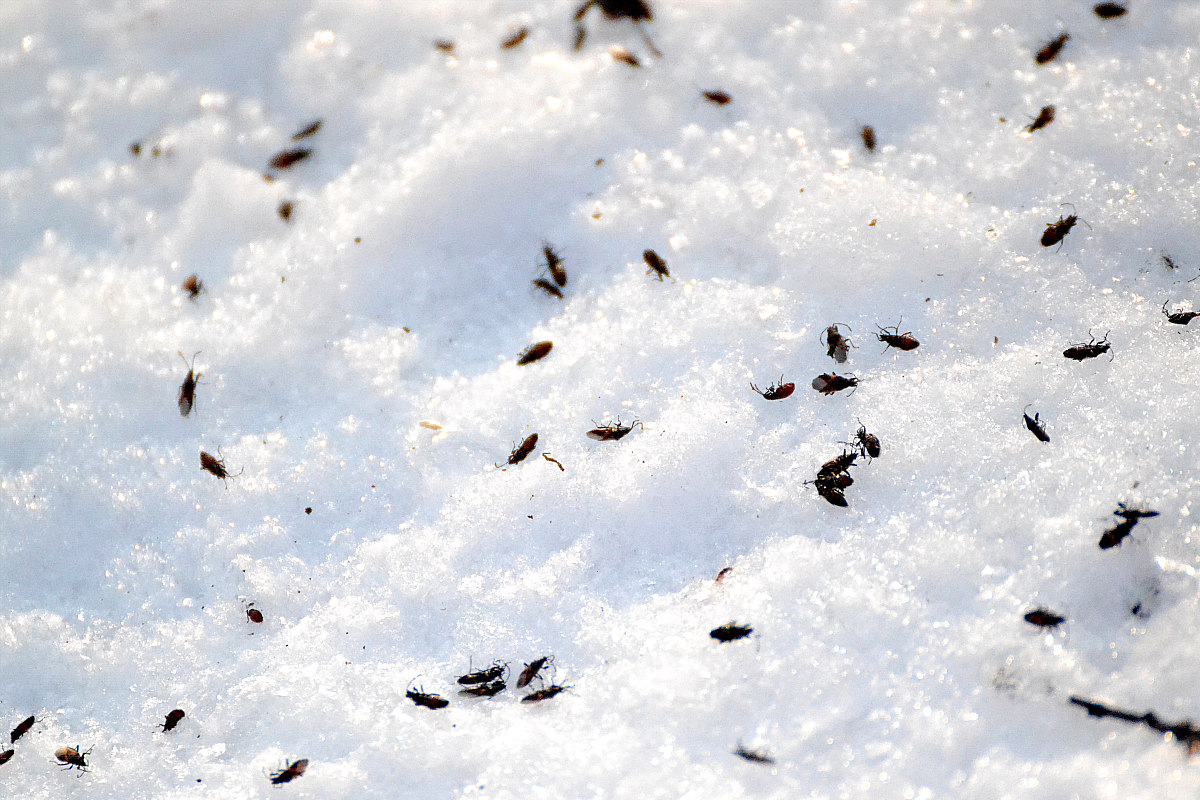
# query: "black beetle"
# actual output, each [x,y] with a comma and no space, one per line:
[1035,425]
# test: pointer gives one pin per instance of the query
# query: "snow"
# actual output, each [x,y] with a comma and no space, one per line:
[360,361]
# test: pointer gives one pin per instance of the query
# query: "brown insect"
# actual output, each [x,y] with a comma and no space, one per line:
[554,264]
[657,266]
[488,675]
[1109,10]
[548,287]
[187,390]
[286,158]
[290,772]
[868,137]
[216,466]
[285,210]
[515,39]
[1057,231]
[900,341]
[867,442]
[717,96]
[1081,352]
[72,758]
[484,689]
[20,730]
[580,38]
[532,669]
[776,391]
[730,632]
[1044,618]
[619,53]
[1052,48]
[172,720]
[616,9]
[521,451]
[253,614]
[444,45]
[135,149]
[1044,118]
[193,286]
[838,345]
[828,383]
[1129,518]
[838,465]
[308,130]
[544,694]
[6,755]
[723,574]
[535,352]
[1036,426]
[431,701]
[611,431]
[753,756]
[1180,317]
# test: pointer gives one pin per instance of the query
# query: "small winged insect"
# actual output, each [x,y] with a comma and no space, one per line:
[1057,231]
[444,45]
[521,451]
[548,287]
[723,574]
[776,391]
[619,53]
[868,137]
[308,130]
[187,390]
[544,694]
[484,689]
[1036,426]
[1044,118]
[1044,618]
[1082,352]
[488,675]
[193,286]
[532,669]
[216,466]
[253,614]
[838,465]
[827,383]
[515,39]
[286,158]
[1052,48]
[868,442]
[894,338]
[730,632]
[1129,518]
[172,720]
[72,758]
[837,344]
[657,266]
[717,96]
[285,209]
[833,478]
[554,264]
[753,756]
[535,352]
[290,772]
[6,755]
[425,700]
[20,730]
[611,431]
[1179,317]
[1109,10]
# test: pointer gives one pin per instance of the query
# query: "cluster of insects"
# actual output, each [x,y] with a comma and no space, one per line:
[492,681]
[833,478]
[22,728]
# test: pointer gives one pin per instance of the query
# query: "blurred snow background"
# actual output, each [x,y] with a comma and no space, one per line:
[889,658]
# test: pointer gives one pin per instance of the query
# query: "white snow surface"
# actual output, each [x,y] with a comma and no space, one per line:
[889,657]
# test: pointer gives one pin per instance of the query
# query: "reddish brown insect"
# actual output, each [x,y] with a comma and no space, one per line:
[535,352]
[290,772]
[752,755]
[624,56]
[718,97]
[488,675]
[193,286]
[900,341]
[776,391]
[836,465]
[286,158]
[544,694]
[286,207]
[867,442]
[72,758]
[828,383]
[868,137]
[838,345]
[172,720]
[253,614]
[1052,48]
[831,489]
[5,756]
[532,669]
[1057,231]
[1129,518]
[611,432]
[187,390]
[1044,118]
[1044,618]
[723,574]
[20,730]
[515,39]
[308,130]
[522,451]
[548,287]
[554,264]
[1180,317]
[484,689]
[216,466]
[431,701]
[657,266]
[444,45]
[1081,352]
[1035,425]
[730,632]
[1109,10]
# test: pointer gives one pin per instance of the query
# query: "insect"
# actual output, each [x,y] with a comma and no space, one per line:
[285,209]
[444,45]
[723,574]
[1169,262]
[522,451]
[827,383]
[619,53]
[868,137]
[308,130]
[657,266]
[484,689]
[831,489]
[1129,518]
[730,632]
[484,675]
[837,344]
[1052,48]
[216,466]
[1044,618]
[187,390]
[173,719]
[616,9]
[286,158]
[253,614]
[1057,231]
[290,772]
[548,287]
[1180,317]
[20,730]
[752,756]
[193,286]
[1035,425]
[544,694]
[868,442]
[1044,118]
[554,264]
[72,758]
[535,352]
[776,391]
[1109,10]
[840,464]
[900,341]
[1082,352]
[717,96]
[580,38]
[432,701]
[611,432]
[515,39]
[6,755]
[532,669]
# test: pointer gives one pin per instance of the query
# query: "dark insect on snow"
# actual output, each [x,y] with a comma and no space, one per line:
[285,209]
[308,130]
[868,137]
[72,758]
[1082,352]
[172,720]
[286,158]
[1044,118]
[611,431]
[484,689]
[1168,262]
[515,39]
[253,614]
[896,339]
[619,53]
[1129,518]
[290,772]
[544,694]
[776,391]
[421,698]
[216,466]
[827,383]
[1109,10]
[1057,231]
[5,756]
[753,756]
[1052,48]
[488,675]
[522,451]
[444,45]
[723,574]
[868,442]
[548,287]
[838,345]
[717,96]
[187,390]
[1180,317]
[1036,426]
[1044,618]
[535,352]
[616,9]
[554,264]
[730,632]
[837,465]
[20,730]
[193,286]
[580,38]
[531,670]
[657,266]
[831,491]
